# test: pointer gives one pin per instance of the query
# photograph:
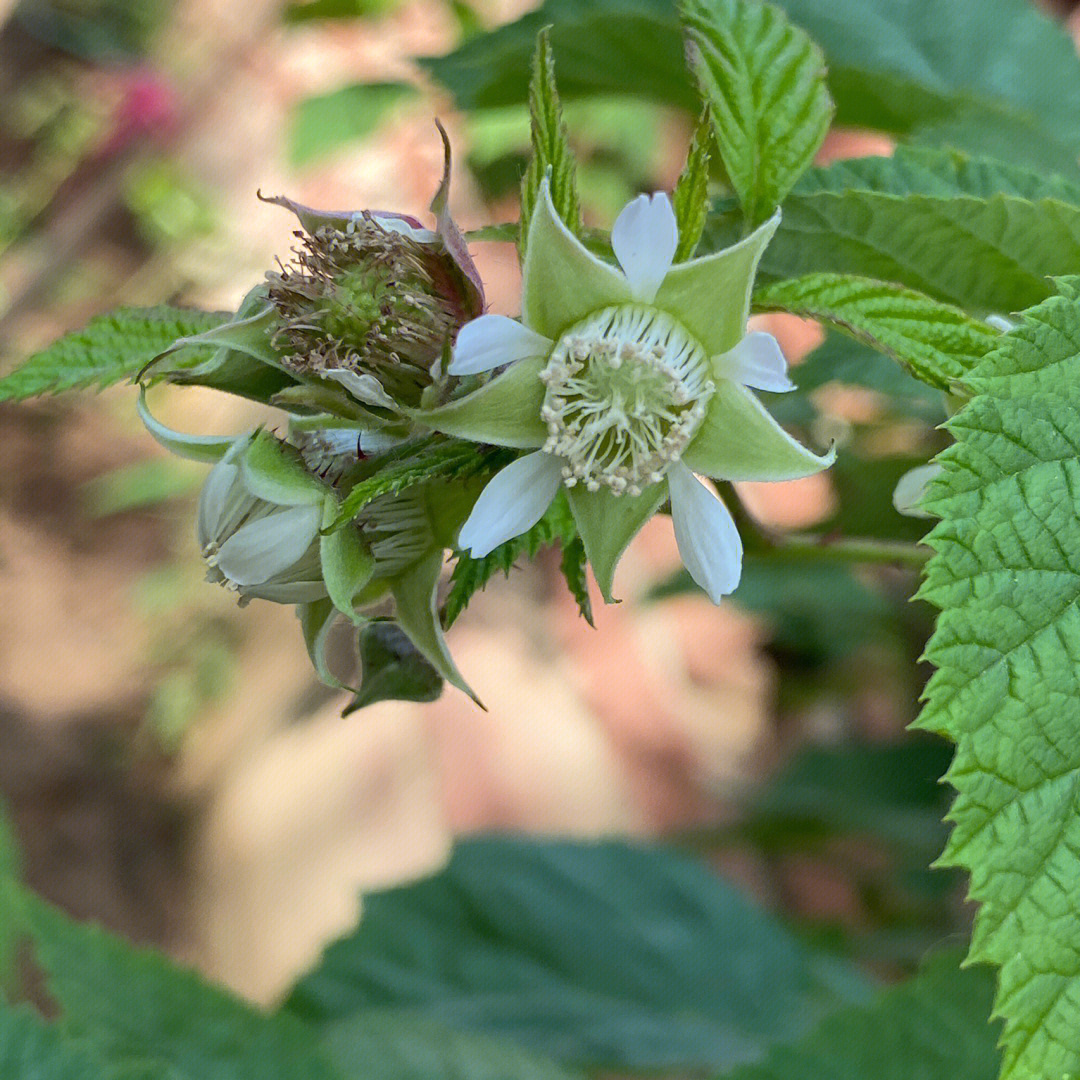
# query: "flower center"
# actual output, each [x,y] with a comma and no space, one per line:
[626,391]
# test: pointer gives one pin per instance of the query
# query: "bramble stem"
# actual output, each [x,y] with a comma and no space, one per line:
[763,541]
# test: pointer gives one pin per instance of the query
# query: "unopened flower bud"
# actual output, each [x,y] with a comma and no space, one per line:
[258,549]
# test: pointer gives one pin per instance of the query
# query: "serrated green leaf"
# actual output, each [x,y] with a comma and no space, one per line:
[1006,575]
[551,153]
[427,463]
[933,1027]
[397,1044]
[30,1049]
[471,575]
[982,236]
[325,123]
[608,954]
[133,1006]
[110,348]
[574,568]
[690,197]
[936,343]
[764,82]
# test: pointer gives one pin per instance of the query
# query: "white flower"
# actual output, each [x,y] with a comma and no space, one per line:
[624,384]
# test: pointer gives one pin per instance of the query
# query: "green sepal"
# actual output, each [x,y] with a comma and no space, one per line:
[503,412]
[562,281]
[690,199]
[739,440]
[347,565]
[416,597]
[710,296]
[392,668]
[276,472]
[607,523]
[248,332]
[316,621]
[320,396]
[551,156]
[207,448]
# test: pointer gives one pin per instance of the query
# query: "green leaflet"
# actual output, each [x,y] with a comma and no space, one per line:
[976,234]
[764,83]
[557,525]
[428,461]
[937,344]
[134,1007]
[1006,575]
[622,957]
[689,200]
[551,149]
[932,1027]
[110,348]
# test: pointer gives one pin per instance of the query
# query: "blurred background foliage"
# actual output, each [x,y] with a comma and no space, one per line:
[140,714]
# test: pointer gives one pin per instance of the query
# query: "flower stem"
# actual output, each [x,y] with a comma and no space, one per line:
[763,541]
[813,547]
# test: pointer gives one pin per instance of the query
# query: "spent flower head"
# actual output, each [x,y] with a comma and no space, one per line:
[624,384]
[373,300]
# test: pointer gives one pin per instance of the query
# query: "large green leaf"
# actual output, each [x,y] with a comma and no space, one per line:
[936,343]
[1006,575]
[907,66]
[608,954]
[933,1028]
[110,348]
[30,1049]
[136,1007]
[764,83]
[979,235]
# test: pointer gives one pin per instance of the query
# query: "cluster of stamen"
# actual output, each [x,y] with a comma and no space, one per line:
[365,299]
[398,530]
[627,390]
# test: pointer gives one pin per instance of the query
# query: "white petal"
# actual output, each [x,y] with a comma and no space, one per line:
[393,223]
[644,238]
[259,550]
[212,500]
[911,487]
[364,388]
[514,500]
[493,340]
[756,361]
[705,532]
[376,442]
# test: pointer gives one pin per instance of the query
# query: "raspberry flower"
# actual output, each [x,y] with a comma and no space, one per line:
[624,384]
